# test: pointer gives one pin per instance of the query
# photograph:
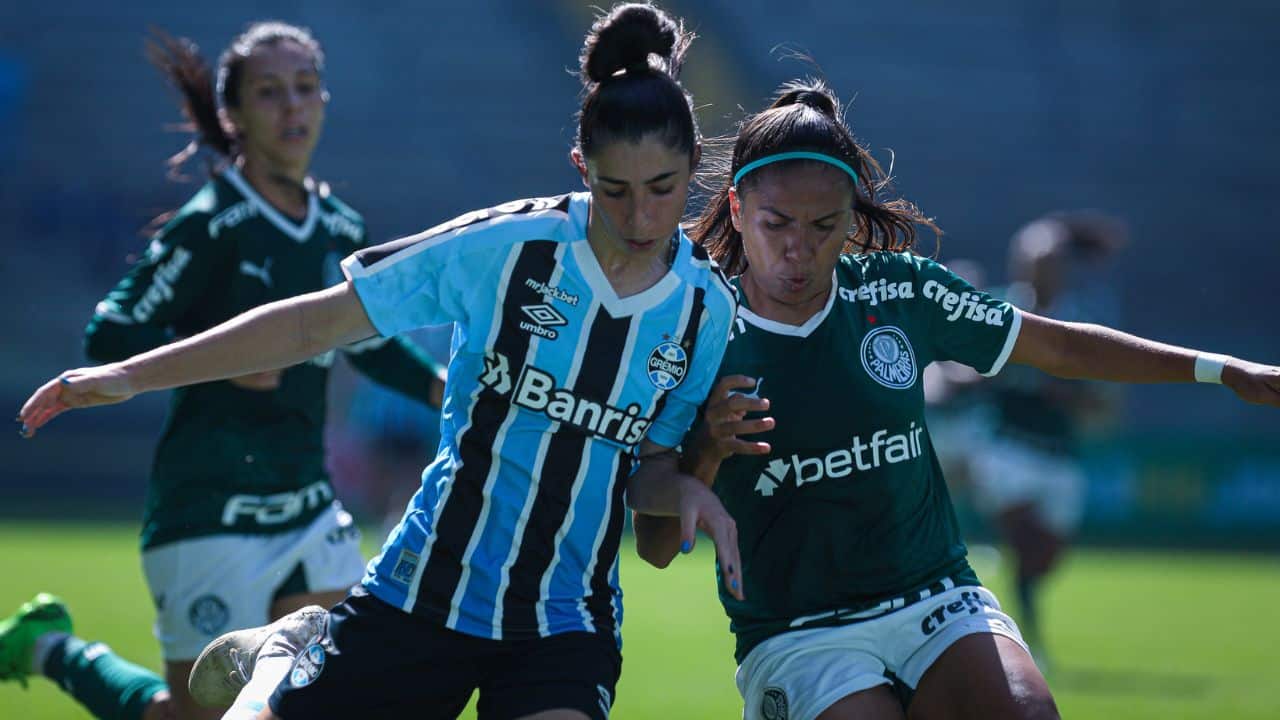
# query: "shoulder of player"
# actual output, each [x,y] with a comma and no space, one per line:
[491,230]
[332,204]
[860,268]
[705,273]
[338,218]
[190,222]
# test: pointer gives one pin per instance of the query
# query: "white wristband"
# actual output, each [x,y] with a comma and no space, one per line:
[1209,367]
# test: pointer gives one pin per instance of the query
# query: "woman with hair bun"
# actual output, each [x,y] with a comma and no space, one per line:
[858,600]
[588,329]
[241,525]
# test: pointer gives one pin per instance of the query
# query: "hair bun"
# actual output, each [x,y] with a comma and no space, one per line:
[625,38]
[811,93]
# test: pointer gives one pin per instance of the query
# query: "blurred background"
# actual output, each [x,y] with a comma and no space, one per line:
[992,113]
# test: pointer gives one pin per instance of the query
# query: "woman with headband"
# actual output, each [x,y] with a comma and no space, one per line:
[858,600]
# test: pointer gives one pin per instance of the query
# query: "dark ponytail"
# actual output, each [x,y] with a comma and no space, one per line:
[805,116]
[179,60]
[630,70]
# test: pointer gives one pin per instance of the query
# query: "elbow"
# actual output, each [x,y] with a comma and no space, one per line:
[653,544]
[652,556]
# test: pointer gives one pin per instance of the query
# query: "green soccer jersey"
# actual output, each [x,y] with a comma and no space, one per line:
[850,509]
[233,460]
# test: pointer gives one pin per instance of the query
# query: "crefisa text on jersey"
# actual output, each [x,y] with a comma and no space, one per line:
[965,304]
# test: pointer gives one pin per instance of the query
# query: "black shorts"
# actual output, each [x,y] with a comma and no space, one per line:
[376,661]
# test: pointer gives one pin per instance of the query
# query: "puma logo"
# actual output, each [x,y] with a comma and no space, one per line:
[262,272]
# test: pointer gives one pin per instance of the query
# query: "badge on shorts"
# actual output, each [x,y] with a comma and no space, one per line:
[774,705]
[209,614]
[307,667]
[888,359]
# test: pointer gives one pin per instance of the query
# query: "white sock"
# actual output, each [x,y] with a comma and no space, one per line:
[275,659]
[42,647]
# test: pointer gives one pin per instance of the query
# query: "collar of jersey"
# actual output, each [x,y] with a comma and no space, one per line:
[779,328]
[299,233]
[603,291]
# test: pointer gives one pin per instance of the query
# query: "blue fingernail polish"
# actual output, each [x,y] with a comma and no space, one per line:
[65,381]
[735,583]
[684,547]
[23,431]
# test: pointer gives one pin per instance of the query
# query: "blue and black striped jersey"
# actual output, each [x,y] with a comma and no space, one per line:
[553,381]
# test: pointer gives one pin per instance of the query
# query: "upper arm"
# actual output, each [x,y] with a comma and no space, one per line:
[335,316]
[1041,342]
[682,404]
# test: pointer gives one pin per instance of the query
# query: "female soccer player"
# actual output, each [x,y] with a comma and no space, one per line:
[241,525]
[855,578]
[588,329]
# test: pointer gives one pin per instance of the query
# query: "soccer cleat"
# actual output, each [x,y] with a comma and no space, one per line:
[226,664]
[19,632]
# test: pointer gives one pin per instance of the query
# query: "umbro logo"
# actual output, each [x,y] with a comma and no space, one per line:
[543,317]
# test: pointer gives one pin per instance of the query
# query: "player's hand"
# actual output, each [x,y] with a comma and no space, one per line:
[261,382]
[1253,382]
[84,387]
[700,509]
[726,419]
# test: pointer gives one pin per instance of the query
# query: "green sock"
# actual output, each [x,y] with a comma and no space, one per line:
[111,687]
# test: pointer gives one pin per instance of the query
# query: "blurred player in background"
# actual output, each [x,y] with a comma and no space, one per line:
[1027,478]
[856,582]
[241,525]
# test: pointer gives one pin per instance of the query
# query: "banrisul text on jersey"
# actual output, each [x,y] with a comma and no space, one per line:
[553,382]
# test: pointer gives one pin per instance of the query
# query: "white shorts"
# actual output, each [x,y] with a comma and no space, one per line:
[210,585]
[797,675]
[1009,473]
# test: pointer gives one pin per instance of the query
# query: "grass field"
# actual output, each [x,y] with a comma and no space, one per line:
[1134,635]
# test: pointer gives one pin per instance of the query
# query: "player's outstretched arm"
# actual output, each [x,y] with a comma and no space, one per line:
[658,488]
[1094,352]
[273,336]
[658,539]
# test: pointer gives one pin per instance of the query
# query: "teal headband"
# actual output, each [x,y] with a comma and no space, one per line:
[797,155]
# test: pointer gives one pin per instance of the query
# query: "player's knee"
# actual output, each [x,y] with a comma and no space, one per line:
[1029,699]
[1038,706]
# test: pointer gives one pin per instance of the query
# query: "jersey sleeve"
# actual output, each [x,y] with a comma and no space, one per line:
[138,314]
[429,278]
[965,324]
[681,407]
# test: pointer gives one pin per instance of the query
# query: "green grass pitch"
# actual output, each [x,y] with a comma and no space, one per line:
[1133,635]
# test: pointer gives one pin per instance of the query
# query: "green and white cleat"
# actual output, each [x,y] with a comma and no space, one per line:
[19,632]
[226,664]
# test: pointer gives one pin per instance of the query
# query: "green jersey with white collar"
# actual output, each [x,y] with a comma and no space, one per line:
[850,511]
[230,459]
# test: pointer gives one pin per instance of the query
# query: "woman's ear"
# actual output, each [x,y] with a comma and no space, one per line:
[230,123]
[735,209]
[579,162]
